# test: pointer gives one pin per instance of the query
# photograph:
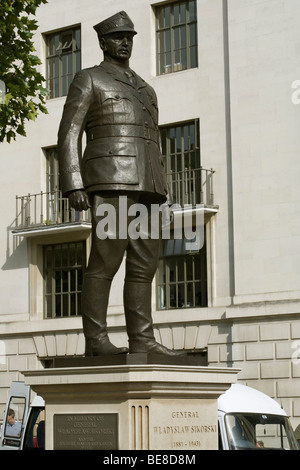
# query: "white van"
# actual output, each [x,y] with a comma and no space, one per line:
[25,428]
[248,419]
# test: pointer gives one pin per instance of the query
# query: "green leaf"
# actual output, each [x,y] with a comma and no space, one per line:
[20,130]
[10,135]
[8,97]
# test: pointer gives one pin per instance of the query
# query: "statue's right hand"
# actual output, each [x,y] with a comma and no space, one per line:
[79,200]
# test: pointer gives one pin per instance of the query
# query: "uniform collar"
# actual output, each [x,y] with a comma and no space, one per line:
[121,74]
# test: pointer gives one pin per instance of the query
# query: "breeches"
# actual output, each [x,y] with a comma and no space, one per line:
[107,254]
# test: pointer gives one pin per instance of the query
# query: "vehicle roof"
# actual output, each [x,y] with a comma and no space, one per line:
[38,401]
[241,398]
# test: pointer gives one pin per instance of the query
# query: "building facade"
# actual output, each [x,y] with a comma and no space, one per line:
[226,73]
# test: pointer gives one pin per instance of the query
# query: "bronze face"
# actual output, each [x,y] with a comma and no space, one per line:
[117,47]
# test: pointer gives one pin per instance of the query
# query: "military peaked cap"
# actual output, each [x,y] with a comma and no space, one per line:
[115,23]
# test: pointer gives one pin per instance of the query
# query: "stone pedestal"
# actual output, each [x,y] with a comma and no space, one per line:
[136,405]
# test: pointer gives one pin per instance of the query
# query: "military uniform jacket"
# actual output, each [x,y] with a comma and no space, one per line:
[120,119]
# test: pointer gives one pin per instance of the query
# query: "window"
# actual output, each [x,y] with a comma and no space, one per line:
[57,207]
[63,60]
[15,419]
[176,36]
[182,274]
[64,266]
[257,431]
[181,154]
[52,170]
[182,278]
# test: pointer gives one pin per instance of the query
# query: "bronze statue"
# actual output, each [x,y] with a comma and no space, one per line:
[118,111]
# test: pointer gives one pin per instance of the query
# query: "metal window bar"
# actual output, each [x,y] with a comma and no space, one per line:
[174,292]
[46,208]
[191,186]
[61,295]
[165,65]
[68,45]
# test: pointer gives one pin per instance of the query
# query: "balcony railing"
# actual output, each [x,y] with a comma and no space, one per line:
[187,187]
[46,208]
[192,187]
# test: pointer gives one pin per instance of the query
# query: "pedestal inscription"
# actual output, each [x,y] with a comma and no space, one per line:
[86,431]
[184,425]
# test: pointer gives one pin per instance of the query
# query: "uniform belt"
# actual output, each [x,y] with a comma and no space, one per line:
[122,130]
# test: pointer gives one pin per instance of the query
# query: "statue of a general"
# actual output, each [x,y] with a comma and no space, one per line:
[118,111]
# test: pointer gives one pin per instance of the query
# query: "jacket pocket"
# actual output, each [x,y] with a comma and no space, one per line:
[116,103]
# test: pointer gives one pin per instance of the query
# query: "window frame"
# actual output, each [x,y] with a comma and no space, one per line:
[167,151]
[63,294]
[52,169]
[169,32]
[59,82]
[182,281]
[182,161]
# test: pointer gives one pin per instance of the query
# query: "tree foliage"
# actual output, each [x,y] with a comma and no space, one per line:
[23,94]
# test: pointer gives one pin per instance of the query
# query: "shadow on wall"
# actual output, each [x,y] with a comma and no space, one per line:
[225,332]
[16,251]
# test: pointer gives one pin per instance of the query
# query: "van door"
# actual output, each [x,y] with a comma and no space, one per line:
[15,416]
[223,443]
[34,434]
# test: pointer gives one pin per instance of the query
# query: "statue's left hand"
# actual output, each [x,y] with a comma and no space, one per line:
[79,200]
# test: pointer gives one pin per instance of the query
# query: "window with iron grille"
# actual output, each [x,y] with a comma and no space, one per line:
[181,277]
[181,155]
[64,265]
[176,36]
[182,274]
[63,60]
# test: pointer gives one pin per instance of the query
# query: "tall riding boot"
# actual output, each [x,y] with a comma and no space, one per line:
[137,305]
[95,294]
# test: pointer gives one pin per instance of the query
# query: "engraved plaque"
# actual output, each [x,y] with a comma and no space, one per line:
[184,424]
[86,431]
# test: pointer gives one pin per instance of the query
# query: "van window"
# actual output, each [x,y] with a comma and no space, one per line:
[13,428]
[259,431]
